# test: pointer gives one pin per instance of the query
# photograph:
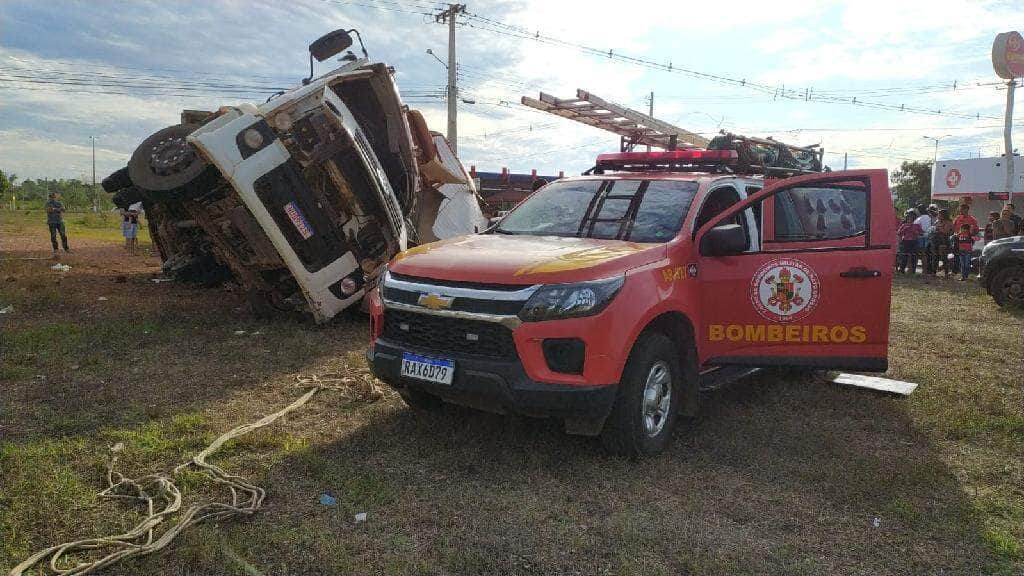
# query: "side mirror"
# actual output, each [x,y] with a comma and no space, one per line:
[724,240]
[330,44]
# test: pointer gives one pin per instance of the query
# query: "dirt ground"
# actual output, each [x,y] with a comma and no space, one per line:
[776,476]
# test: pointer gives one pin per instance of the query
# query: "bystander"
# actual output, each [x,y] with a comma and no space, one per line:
[55,221]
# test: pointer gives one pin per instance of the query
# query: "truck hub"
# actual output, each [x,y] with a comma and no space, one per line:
[170,156]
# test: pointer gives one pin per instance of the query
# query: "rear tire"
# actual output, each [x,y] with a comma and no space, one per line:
[644,414]
[419,400]
[125,197]
[1007,286]
[168,167]
[116,181]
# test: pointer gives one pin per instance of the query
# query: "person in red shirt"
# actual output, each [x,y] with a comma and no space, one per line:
[964,241]
[964,217]
[908,232]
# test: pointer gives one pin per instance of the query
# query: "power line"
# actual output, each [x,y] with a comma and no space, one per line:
[806,94]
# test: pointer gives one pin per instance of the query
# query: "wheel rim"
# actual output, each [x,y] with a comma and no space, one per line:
[170,156]
[1013,288]
[657,398]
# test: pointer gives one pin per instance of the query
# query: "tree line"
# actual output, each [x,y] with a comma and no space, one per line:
[32,194]
[912,186]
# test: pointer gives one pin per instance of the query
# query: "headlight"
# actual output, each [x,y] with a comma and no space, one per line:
[570,300]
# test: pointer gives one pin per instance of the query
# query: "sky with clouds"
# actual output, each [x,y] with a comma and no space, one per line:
[118,71]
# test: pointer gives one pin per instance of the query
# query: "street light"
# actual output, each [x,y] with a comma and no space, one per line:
[431,52]
[935,157]
[95,195]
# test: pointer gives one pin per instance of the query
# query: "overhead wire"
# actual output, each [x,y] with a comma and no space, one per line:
[805,94]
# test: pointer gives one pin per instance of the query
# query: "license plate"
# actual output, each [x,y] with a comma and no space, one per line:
[431,369]
[298,220]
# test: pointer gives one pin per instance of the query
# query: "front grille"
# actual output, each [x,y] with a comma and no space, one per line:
[460,284]
[460,304]
[451,335]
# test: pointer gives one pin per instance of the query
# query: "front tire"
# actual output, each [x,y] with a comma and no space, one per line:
[644,414]
[1007,286]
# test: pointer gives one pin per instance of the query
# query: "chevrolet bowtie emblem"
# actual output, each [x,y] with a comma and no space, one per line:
[435,301]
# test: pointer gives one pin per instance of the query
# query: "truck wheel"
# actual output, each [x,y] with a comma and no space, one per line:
[419,400]
[125,197]
[168,167]
[644,415]
[1007,286]
[116,181]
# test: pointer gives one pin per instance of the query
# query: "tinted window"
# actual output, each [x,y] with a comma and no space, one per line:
[637,210]
[820,213]
[716,203]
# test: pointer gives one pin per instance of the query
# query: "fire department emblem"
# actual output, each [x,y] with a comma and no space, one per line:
[785,290]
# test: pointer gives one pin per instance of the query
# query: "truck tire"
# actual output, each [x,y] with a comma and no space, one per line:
[644,414]
[422,401]
[116,181]
[125,197]
[169,168]
[1007,286]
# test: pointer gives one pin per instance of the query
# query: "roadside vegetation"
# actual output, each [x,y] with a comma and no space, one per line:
[778,475]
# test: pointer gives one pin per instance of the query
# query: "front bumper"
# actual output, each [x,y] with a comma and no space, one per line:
[495,385]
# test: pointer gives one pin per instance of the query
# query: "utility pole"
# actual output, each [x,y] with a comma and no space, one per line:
[936,139]
[449,17]
[95,196]
[650,111]
[1011,85]
[845,158]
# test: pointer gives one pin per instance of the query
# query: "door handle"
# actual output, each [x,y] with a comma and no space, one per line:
[860,272]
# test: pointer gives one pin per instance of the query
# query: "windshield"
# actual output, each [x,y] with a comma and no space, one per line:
[636,210]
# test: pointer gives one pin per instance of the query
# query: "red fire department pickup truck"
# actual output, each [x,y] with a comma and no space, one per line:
[610,300]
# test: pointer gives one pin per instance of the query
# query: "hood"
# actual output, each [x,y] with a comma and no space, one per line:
[504,259]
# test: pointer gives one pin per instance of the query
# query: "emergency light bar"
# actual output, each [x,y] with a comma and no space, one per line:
[667,158]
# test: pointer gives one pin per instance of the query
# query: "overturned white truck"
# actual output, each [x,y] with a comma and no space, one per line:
[305,198]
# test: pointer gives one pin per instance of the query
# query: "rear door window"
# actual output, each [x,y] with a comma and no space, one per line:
[808,213]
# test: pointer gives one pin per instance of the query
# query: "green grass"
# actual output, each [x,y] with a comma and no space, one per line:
[103,226]
[777,475]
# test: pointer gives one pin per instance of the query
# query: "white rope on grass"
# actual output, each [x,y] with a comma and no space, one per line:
[159,491]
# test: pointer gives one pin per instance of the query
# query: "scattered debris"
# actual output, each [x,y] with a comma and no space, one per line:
[160,280]
[7,309]
[876,523]
[328,500]
[60,267]
[361,517]
[239,332]
[102,298]
[876,383]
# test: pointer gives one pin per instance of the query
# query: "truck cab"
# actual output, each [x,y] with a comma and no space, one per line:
[304,198]
[610,299]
